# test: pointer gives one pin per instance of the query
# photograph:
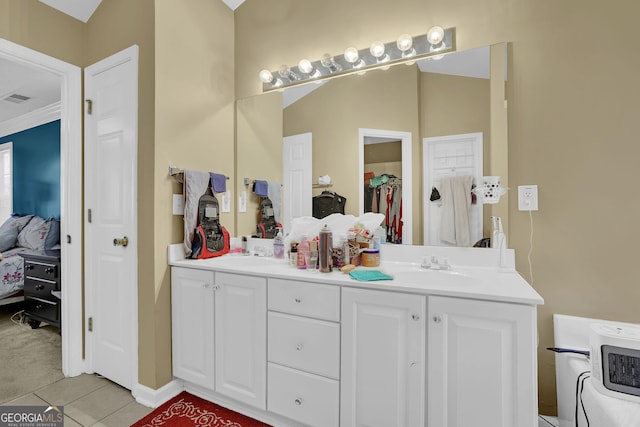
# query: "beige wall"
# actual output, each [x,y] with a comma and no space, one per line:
[572,126]
[39,27]
[194,129]
[259,144]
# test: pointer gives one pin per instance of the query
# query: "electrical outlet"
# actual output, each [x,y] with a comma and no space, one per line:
[528,197]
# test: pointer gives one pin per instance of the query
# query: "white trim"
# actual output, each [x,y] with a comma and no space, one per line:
[70,195]
[129,54]
[31,119]
[407,174]
[153,398]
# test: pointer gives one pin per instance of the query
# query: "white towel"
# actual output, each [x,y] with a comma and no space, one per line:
[195,185]
[455,194]
[273,192]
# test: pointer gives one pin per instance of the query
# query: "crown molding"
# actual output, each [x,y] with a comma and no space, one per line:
[32,119]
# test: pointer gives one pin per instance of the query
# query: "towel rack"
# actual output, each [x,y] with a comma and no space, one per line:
[178,173]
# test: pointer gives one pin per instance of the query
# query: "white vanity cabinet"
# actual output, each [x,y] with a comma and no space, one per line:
[482,360]
[383,359]
[219,332]
[192,325]
[241,337]
[304,352]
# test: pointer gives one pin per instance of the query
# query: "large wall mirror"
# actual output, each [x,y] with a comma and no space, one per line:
[390,124]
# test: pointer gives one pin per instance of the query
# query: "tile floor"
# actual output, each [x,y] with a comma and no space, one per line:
[88,400]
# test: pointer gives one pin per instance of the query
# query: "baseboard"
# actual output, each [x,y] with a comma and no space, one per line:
[153,398]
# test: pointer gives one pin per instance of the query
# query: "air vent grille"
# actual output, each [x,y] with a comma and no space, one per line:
[16,98]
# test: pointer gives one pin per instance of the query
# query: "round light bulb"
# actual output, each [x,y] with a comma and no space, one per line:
[305,66]
[377,49]
[435,35]
[404,42]
[351,54]
[266,76]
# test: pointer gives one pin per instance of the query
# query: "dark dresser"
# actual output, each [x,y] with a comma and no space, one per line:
[42,295]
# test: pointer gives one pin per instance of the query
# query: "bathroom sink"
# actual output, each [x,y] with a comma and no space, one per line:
[428,276]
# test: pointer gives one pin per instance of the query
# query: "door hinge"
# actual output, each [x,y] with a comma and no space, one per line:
[90,324]
[89,215]
[89,106]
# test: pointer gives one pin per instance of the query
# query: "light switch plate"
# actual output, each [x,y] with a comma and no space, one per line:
[178,204]
[226,201]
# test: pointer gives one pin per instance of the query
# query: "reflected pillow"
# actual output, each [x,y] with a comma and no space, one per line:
[53,236]
[8,234]
[33,234]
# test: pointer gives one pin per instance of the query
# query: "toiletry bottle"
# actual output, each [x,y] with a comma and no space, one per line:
[293,254]
[313,255]
[278,245]
[325,250]
[303,252]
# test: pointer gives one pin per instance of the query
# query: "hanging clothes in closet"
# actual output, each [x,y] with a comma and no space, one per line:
[386,198]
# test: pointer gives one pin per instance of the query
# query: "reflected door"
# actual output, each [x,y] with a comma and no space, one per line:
[296,178]
[450,156]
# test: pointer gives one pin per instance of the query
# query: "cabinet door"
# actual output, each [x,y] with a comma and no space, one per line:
[241,338]
[192,325]
[383,359]
[482,364]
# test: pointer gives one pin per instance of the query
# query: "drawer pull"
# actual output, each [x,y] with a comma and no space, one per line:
[39,287]
[437,319]
[49,270]
[299,347]
[298,300]
[38,307]
[28,267]
[298,401]
[415,317]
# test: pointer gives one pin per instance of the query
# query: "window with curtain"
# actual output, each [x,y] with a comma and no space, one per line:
[6,180]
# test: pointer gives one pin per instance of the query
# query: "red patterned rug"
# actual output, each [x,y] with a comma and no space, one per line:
[187,410]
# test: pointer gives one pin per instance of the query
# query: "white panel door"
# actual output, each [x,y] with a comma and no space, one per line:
[447,156]
[241,338]
[296,188]
[482,364]
[383,359]
[111,273]
[192,334]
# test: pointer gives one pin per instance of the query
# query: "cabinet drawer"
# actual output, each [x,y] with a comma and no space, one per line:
[305,299]
[40,288]
[47,310]
[307,344]
[307,398]
[43,270]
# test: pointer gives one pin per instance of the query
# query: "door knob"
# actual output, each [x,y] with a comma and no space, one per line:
[121,242]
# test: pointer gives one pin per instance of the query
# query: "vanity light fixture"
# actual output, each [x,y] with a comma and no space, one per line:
[306,67]
[405,49]
[330,63]
[352,56]
[286,73]
[267,78]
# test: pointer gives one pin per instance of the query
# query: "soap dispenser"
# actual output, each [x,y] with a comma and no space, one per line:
[278,245]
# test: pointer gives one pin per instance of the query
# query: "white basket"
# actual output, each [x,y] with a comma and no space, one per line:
[490,190]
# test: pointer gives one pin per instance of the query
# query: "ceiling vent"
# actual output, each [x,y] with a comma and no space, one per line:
[16,98]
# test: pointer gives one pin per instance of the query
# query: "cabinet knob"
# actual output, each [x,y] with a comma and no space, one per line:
[299,347]
[28,267]
[298,300]
[38,307]
[39,287]
[206,285]
[415,317]
[49,270]
[298,401]
[437,319]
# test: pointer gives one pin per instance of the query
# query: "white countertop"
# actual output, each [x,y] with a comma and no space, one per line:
[468,281]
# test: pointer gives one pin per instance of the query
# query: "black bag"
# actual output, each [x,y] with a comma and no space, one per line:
[267,225]
[327,203]
[210,238]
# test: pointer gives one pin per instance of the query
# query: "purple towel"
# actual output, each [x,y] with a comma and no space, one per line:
[218,182]
[261,188]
